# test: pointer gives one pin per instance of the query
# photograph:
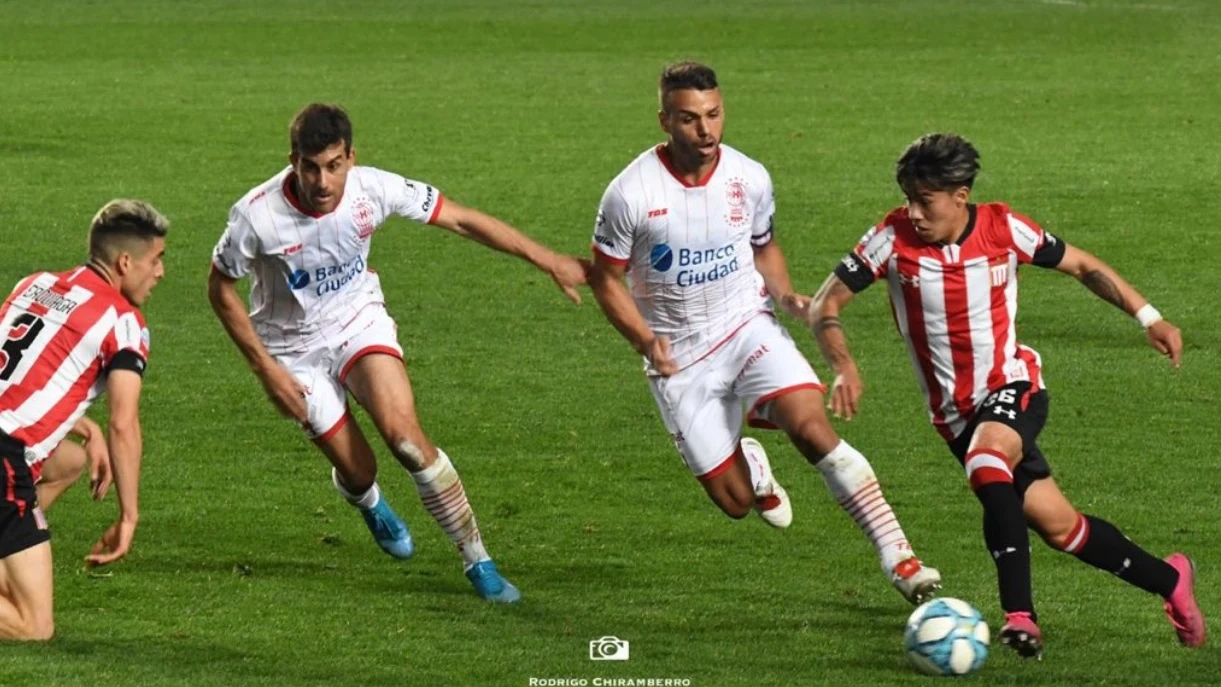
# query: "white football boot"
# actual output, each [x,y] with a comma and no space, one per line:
[914,580]
[771,500]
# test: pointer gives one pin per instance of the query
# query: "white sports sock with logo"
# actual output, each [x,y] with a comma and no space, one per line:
[852,482]
[442,494]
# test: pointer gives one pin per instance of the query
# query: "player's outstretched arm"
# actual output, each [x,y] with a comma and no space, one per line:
[824,322]
[285,392]
[566,271]
[1105,282]
[770,262]
[606,281]
[126,450]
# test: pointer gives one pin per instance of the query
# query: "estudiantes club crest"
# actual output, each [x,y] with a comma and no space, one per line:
[735,198]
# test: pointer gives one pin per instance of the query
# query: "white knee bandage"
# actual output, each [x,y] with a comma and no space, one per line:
[845,471]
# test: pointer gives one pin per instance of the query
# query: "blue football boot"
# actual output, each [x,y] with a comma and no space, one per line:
[389,530]
[490,585]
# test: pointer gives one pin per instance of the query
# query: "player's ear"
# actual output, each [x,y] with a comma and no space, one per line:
[292,159]
[352,155]
[663,121]
[962,195]
[122,263]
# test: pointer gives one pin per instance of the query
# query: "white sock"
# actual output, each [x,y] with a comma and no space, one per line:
[442,494]
[851,481]
[363,501]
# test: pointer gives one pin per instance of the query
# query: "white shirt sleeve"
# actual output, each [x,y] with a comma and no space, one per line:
[875,248]
[408,198]
[761,232]
[238,246]
[615,227]
[1028,237]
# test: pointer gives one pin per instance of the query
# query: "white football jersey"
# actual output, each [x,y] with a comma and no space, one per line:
[309,272]
[688,249]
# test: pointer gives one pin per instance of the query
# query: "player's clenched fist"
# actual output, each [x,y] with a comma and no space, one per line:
[658,353]
[285,391]
[1165,337]
[796,305]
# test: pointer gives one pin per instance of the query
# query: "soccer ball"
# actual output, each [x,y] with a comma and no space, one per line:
[946,637]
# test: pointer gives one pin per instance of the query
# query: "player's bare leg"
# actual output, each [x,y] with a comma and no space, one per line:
[731,490]
[26,595]
[851,480]
[59,472]
[1100,544]
[380,385]
[354,473]
[994,452]
[747,483]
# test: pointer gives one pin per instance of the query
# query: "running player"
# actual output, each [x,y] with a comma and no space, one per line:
[689,223]
[68,338]
[950,267]
[318,327]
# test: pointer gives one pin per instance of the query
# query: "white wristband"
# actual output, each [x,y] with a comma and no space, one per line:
[1148,315]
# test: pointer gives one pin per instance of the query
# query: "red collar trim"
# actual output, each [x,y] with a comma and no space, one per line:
[663,154]
[290,192]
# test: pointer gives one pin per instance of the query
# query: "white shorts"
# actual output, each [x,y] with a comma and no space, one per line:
[322,370]
[702,405]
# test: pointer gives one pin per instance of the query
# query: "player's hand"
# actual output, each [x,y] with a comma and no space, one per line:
[114,544]
[796,305]
[657,351]
[285,392]
[568,273]
[98,453]
[1165,337]
[846,393]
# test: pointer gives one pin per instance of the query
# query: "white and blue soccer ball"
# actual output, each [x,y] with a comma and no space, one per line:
[946,637]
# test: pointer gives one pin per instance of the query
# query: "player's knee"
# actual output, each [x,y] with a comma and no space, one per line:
[43,631]
[75,466]
[734,508]
[409,450]
[736,503]
[38,628]
[1064,533]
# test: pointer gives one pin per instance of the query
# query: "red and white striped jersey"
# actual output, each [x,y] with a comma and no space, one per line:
[310,271]
[689,248]
[63,333]
[955,305]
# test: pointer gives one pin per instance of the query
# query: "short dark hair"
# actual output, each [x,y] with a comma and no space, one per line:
[937,162]
[685,75]
[122,222]
[319,126]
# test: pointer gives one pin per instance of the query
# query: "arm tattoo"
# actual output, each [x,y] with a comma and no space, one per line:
[826,323]
[1103,287]
[833,352]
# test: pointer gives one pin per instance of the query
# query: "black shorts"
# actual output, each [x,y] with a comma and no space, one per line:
[1014,406]
[22,524]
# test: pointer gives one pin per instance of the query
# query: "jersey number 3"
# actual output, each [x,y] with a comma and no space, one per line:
[25,330]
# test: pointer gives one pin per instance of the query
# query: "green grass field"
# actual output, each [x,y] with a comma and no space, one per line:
[1099,119]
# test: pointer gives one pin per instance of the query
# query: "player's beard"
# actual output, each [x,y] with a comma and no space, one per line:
[693,155]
